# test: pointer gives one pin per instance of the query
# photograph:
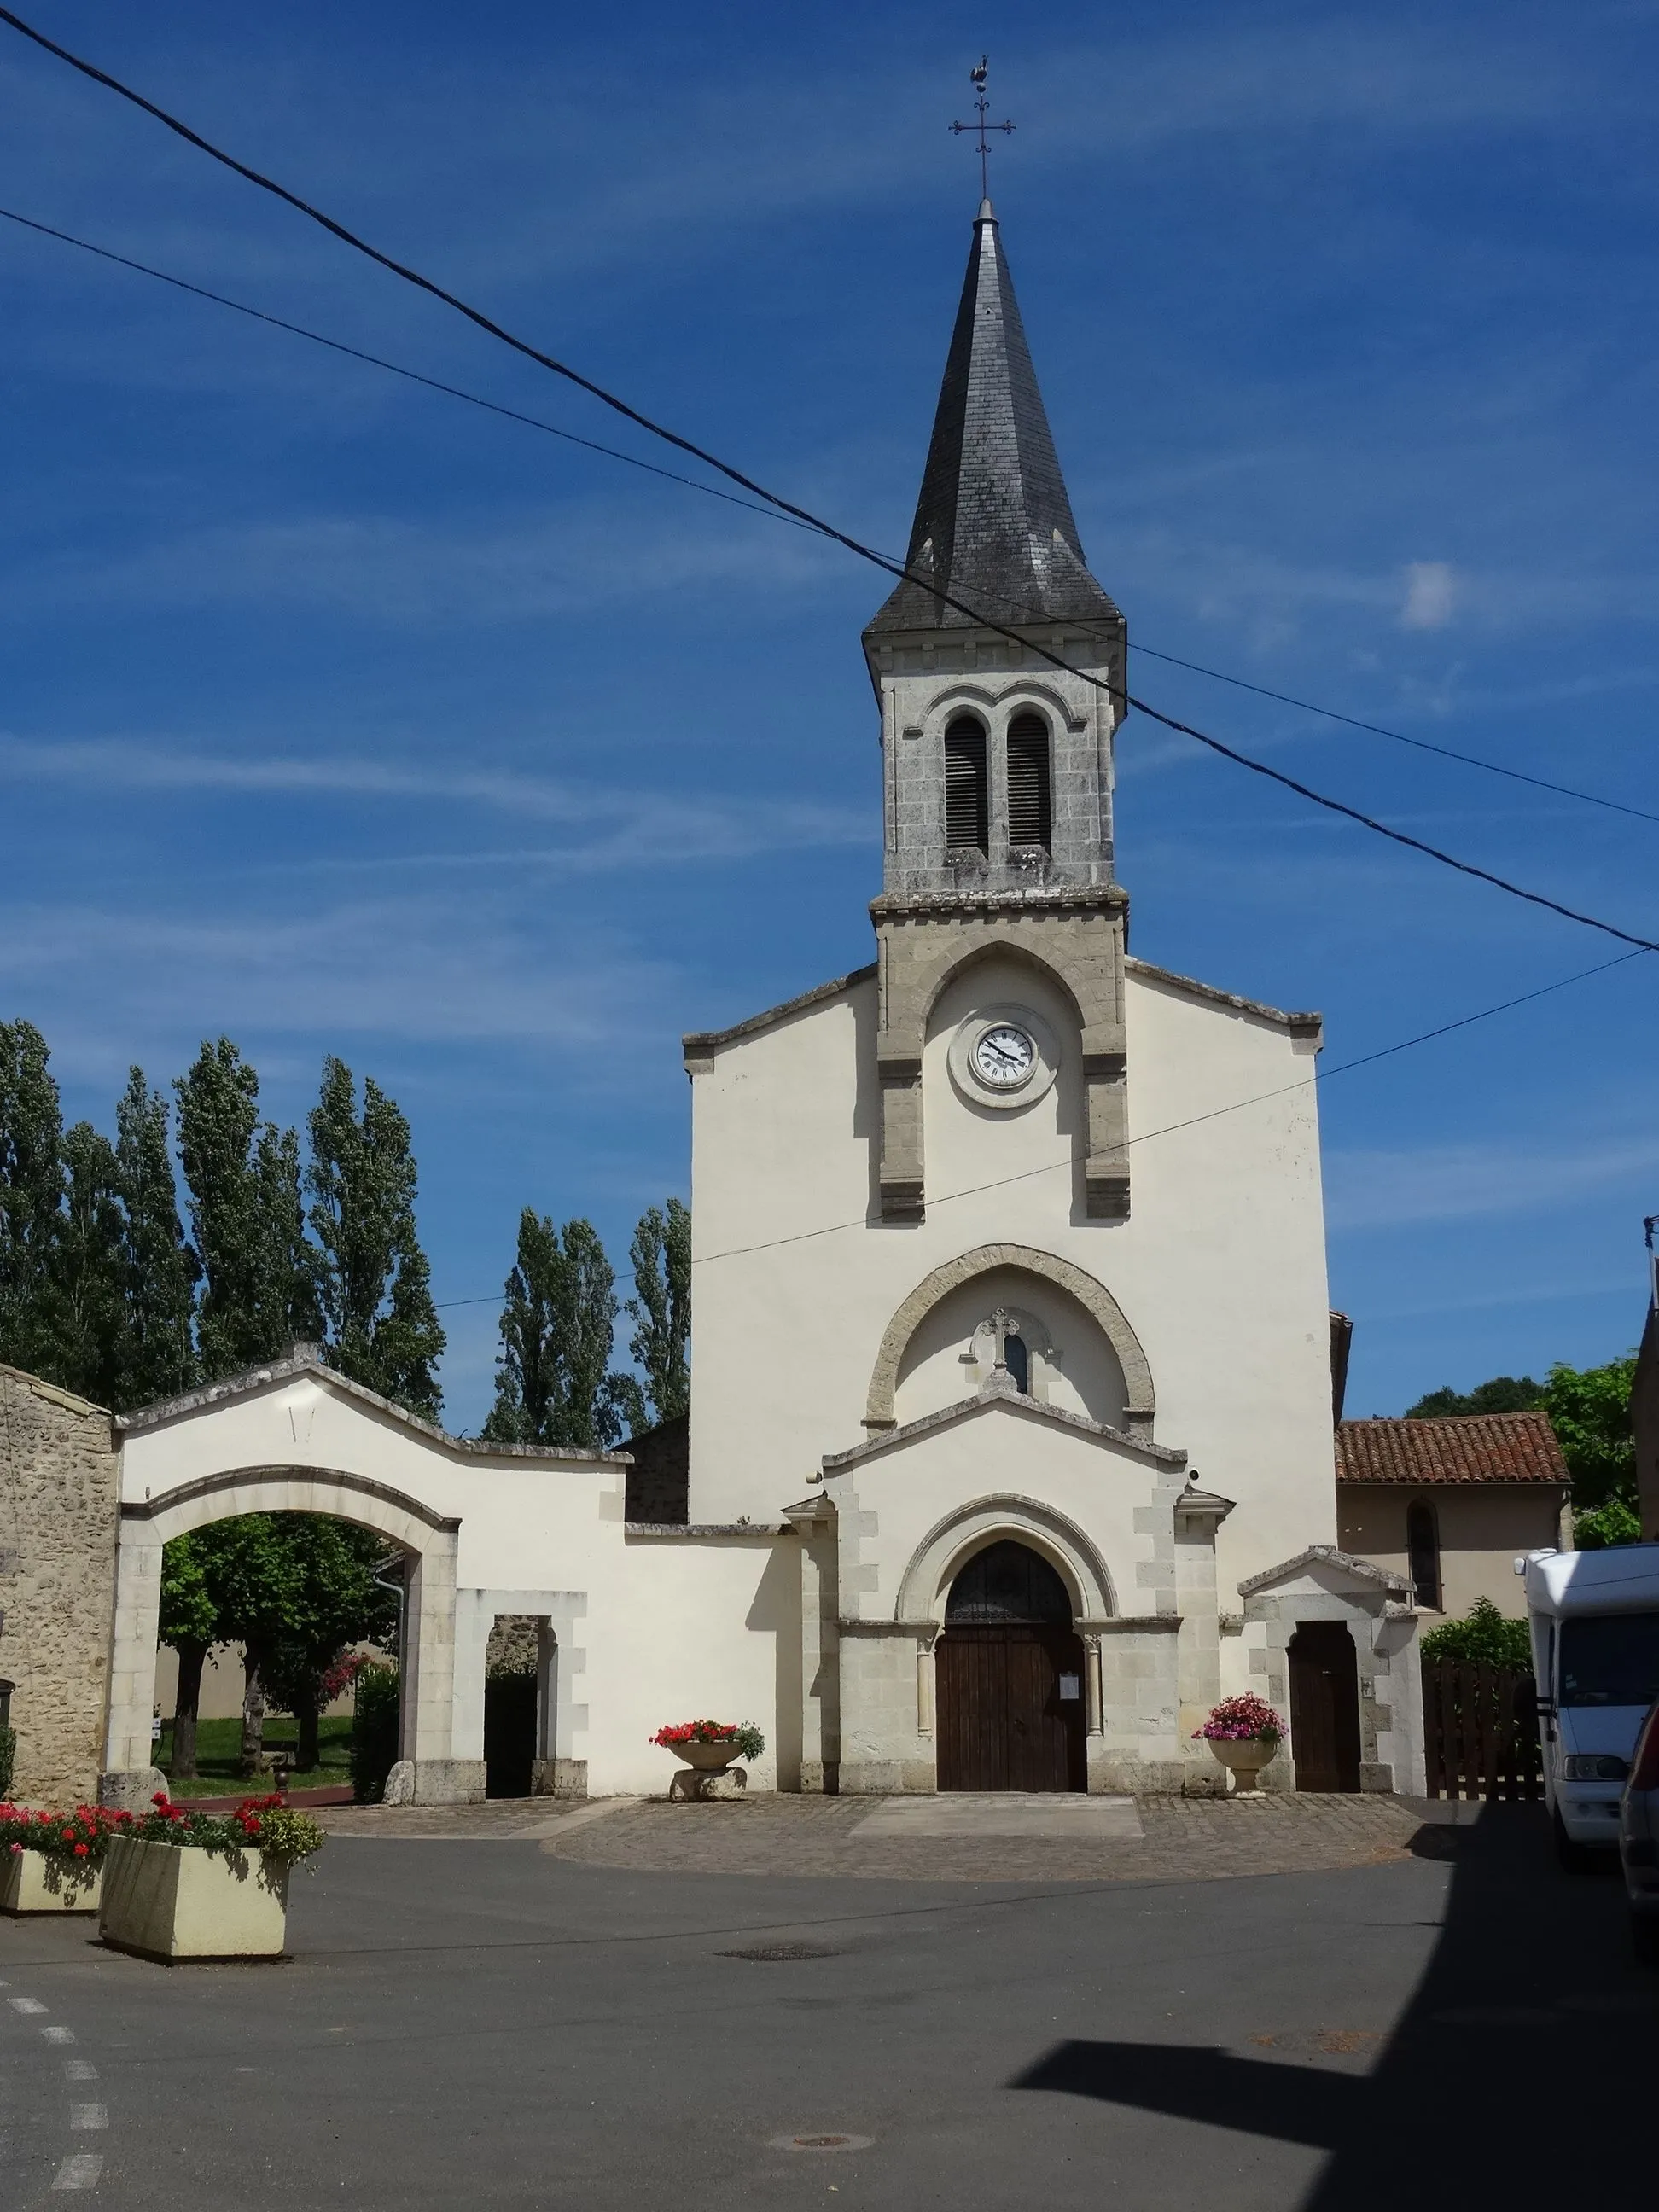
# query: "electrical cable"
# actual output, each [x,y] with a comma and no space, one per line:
[803,515]
[788,506]
[1171,1129]
[772,514]
[396,368]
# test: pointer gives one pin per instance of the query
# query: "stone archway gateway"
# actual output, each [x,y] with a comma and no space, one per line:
[488,1529]
[427,1538]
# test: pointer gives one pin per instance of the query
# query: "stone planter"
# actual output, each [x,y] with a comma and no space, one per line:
[1245,1757]
[166,1901]
[711,1776]
[34,1881]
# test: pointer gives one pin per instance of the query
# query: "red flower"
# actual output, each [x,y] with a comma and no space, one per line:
[80,1850]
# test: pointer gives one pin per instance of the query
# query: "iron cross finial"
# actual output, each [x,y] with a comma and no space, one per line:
[976,78]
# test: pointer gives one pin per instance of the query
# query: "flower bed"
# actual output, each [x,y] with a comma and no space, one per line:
[184,1884]
[51,1862]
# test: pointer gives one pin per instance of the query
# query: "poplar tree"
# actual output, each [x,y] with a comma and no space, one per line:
[553,1380]
[383,1328]
[161,1269]
[660,1309]
[88,1275]
[259,1291]
[30,1196]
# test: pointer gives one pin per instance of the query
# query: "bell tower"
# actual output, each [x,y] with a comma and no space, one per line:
[997,779]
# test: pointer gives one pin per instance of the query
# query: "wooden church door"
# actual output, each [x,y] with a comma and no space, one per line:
[1324,1707]
[1009,1678]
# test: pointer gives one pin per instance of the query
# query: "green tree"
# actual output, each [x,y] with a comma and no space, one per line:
[253,1581]
[337,1602]
[1590,1411]
[553,1381]
[161,1268]
[259,1273]
[31,1196]
[660,1309]
[189,1623]
[1504,1394]
[383,1329]
[89,1273]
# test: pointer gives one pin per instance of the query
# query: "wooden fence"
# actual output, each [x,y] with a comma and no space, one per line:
[1475,1744]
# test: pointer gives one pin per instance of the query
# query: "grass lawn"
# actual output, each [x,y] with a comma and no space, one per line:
[218,1748]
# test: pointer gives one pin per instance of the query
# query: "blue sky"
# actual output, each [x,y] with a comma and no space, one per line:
[338,716]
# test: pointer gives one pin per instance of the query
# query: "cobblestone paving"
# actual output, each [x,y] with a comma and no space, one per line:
[1184,1839]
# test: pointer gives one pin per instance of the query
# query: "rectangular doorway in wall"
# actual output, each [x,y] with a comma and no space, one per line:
[1324,1707]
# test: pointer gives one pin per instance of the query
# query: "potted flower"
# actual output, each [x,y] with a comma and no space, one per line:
[1245,1734]
[53,1862]
[708,1748]
[187,1885]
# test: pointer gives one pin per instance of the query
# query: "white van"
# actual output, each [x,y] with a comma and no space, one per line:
[1593,1620]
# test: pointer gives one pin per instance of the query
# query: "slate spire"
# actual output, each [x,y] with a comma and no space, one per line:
[993,524]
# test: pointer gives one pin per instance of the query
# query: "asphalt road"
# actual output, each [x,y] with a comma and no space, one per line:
[479,2024]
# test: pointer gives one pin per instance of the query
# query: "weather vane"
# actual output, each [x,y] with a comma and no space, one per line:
[977,78]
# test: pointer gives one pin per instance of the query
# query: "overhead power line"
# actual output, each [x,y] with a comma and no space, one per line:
[896,569]
[1013,610]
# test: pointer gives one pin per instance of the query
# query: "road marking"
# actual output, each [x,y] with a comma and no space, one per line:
[88,2118]
[26,2004]
[80,2070]
[80,2173]
[56,2034]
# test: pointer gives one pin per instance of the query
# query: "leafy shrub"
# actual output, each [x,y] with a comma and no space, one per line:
[373,1732]
[1612,1522]
[1485,1638]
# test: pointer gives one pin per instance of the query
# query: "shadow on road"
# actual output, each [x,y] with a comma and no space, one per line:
[1528,2058]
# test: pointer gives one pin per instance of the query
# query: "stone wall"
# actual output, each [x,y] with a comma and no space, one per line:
[59,1513]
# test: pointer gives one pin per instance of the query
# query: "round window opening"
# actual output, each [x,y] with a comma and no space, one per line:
[1008,1584]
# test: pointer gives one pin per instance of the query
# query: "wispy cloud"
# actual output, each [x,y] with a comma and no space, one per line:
[610,826]
[1377,1190]
[1431,594]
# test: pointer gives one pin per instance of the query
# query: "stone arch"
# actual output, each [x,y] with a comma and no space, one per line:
[429,1654]
[1140,1402]
[953,1539]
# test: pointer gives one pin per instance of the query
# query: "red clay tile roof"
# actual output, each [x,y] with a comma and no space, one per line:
[1465,1448]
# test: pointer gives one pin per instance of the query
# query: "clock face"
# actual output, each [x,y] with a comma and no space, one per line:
[1004,1056]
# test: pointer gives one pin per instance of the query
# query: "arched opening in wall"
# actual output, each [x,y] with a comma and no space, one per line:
[1017,1359]
[1009,1677]
[967,791]
[1423,1553]
[277,1652]
[1031,804]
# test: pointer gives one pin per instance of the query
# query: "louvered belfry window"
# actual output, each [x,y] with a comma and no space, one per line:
[967,797]
[1030,808]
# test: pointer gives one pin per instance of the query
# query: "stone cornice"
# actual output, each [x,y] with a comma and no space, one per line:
[1298,1024]
[698,1044]
[1011,1401]
[303,1360]
[1052,898]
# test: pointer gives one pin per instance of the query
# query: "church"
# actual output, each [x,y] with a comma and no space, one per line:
[1011,1441]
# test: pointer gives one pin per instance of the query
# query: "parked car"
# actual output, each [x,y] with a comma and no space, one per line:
[1594,1621]
[1638,1840]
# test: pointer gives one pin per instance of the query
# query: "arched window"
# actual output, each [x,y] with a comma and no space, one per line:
[1017,1360]
[1030,808]
[967,804]
[1423,1553]
[1008,1582]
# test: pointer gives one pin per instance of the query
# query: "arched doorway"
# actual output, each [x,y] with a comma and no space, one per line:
[1008,1671]
[1324,1707]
